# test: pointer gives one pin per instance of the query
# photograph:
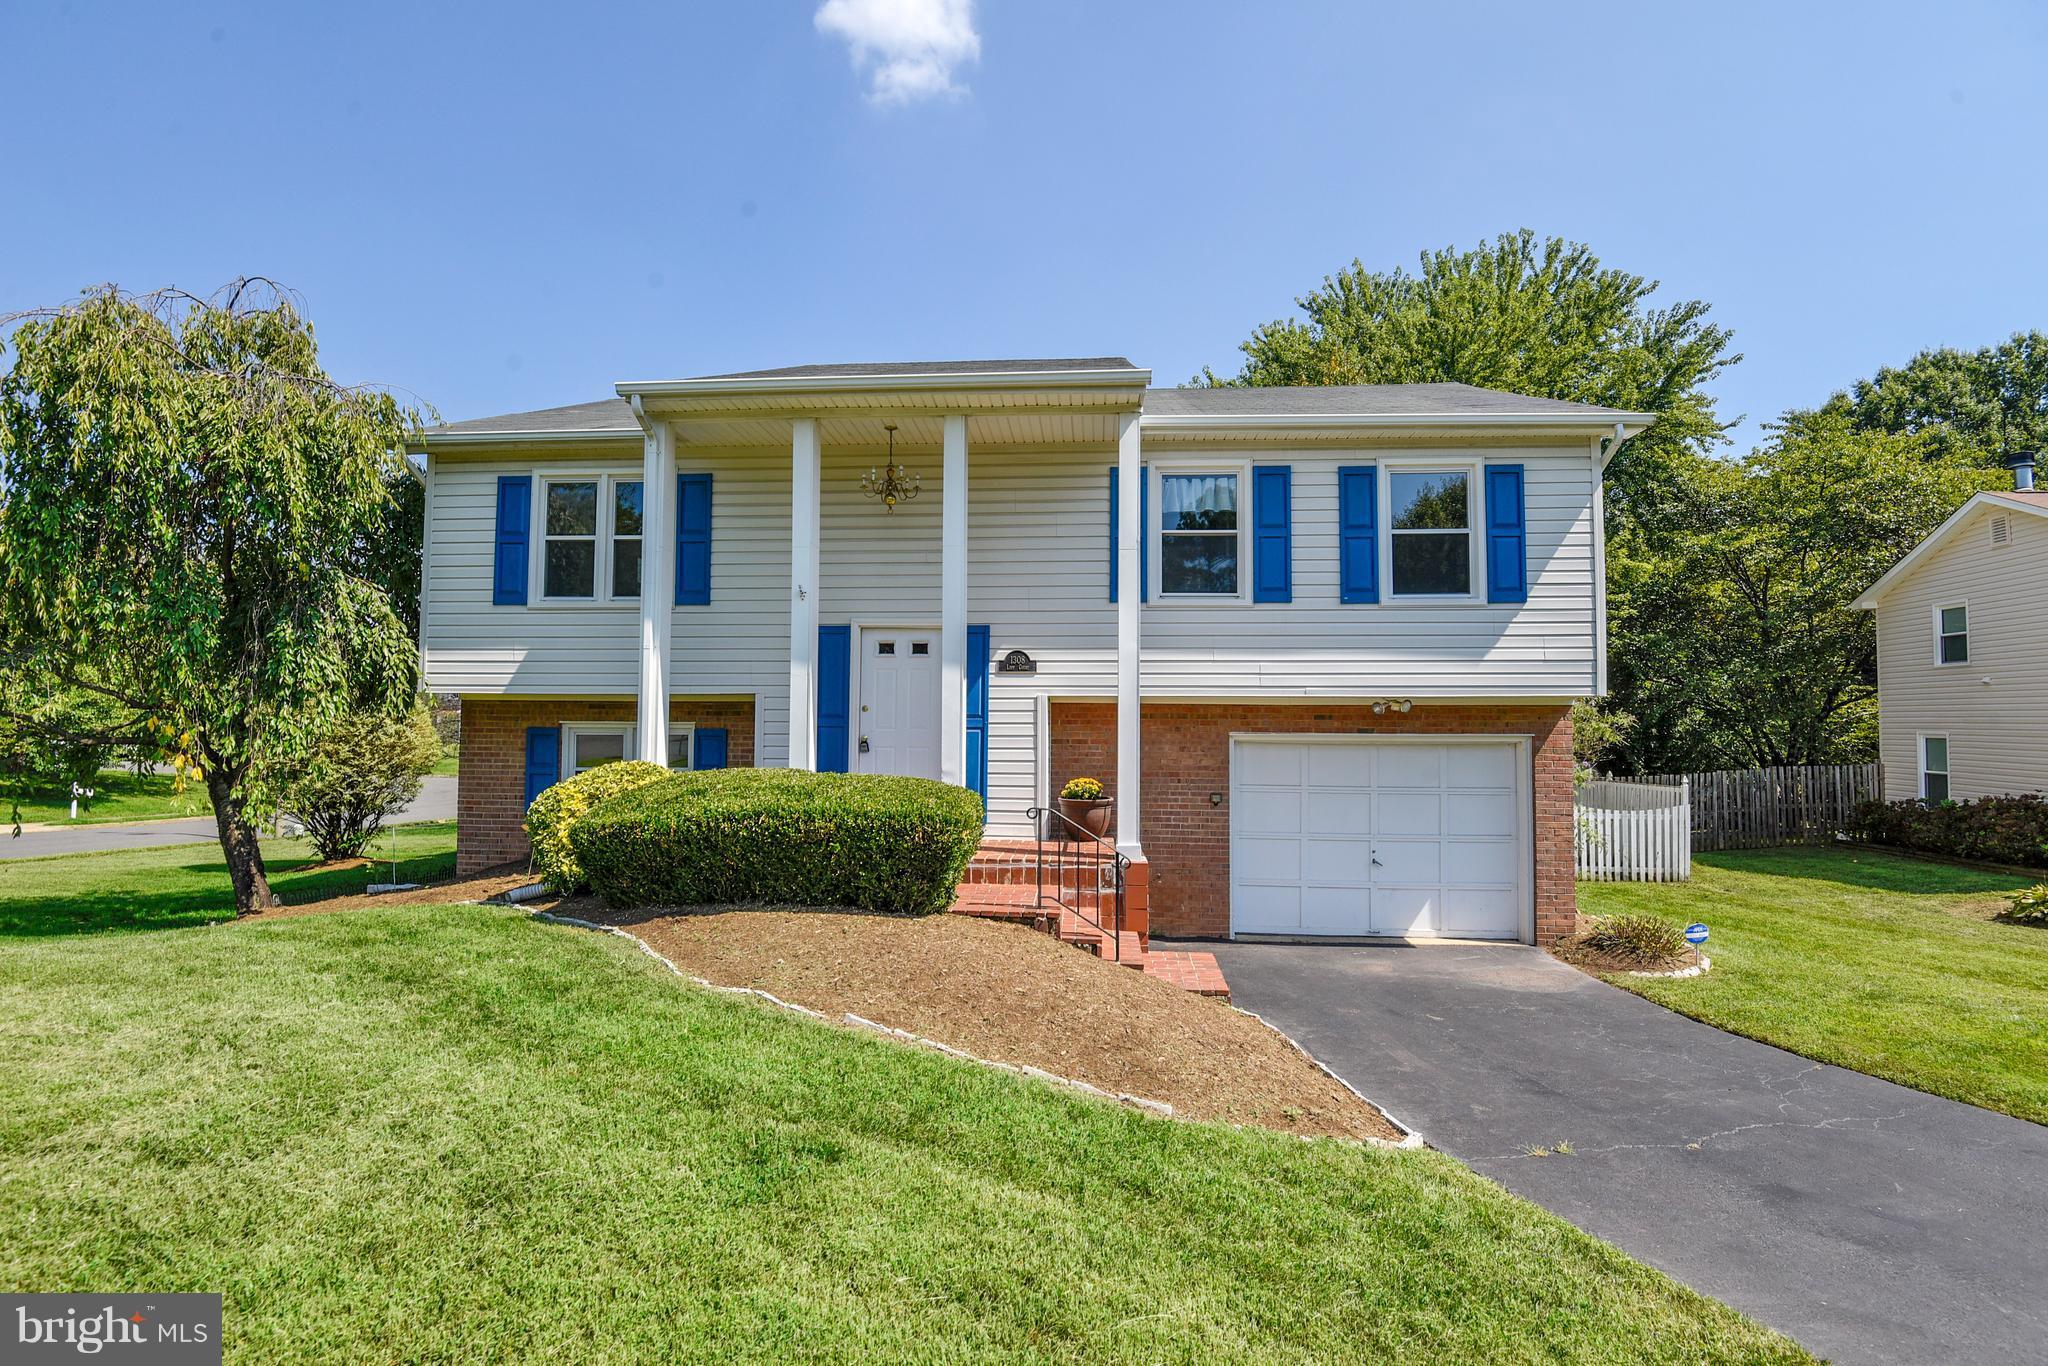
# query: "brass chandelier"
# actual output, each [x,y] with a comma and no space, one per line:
[891,482]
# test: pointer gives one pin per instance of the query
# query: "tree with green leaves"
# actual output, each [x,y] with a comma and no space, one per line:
[1544,318]
[1981,407]
[184,497]
[1734,636]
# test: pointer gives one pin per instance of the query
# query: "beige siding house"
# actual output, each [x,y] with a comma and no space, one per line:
[1354,619]
[1962,655]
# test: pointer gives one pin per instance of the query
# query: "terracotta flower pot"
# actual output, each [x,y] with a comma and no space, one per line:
[1091,814]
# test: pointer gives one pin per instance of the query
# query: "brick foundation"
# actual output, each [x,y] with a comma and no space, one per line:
[1186,748]
[491,791]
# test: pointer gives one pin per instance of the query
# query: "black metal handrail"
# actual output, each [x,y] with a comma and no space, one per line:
[1093,867]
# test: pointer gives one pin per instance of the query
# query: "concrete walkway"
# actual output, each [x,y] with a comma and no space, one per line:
[1870,1222]
[436,802]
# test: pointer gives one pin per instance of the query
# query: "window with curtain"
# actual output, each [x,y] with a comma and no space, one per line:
[1431,545]
[1198,543]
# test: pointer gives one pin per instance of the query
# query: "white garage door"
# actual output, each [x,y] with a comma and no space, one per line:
[1378,837]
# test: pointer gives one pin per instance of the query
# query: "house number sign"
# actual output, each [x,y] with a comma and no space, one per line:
[1017,662]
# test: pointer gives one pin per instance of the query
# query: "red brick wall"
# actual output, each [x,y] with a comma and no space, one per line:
[491,789]
[1186,748]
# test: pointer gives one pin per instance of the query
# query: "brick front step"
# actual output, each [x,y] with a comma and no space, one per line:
[1191,970]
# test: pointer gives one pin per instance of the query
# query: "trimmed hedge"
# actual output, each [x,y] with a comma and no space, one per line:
[1990,829]
[782,837]
[555,811]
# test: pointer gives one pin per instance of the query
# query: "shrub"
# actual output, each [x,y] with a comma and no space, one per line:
[555,812]
[1641,939]
[2029,907]
[1082,790]
[1990,829]
[782,836]
[367,767]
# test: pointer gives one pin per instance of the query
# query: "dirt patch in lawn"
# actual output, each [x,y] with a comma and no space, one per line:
[1015,995]
[473,887]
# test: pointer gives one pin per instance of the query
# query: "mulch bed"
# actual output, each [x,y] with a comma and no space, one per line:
[1597,961]
[474,887]
[1015,995]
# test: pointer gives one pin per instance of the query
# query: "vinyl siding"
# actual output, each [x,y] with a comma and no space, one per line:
[1038,542]
[1992,708]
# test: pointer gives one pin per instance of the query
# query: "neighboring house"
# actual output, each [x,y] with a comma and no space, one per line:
[1962,654]
[1357,616]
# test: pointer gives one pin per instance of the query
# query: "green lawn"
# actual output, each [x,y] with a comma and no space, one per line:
[448,765]
[118,795]
[187,884]
[1883,964]
[460,1134]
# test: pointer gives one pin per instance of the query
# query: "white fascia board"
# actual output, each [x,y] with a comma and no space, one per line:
[527,438]
[1258,422]
[825,384]
[1873,594]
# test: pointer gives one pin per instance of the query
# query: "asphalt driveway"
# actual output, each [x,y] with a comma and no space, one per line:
[1870,1222]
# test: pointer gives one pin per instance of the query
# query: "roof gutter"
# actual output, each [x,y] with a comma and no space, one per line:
[1253,422]
[821,384]
[564,436]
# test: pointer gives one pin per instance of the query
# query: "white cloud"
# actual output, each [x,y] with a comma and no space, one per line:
[909,48]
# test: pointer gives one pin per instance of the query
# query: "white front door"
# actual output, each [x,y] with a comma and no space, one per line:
[898,726]
[1357,837]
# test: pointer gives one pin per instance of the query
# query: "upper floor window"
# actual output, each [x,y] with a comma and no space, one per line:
[591,531]
[1431,532]
[1198,536]
[1952,635]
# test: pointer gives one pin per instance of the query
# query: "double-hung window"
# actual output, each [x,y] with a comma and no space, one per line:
[590,538]
[1952,635]
[1430,554]
[1198,535]
[1934,767]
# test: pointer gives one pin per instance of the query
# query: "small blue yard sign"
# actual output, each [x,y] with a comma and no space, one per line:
[1696,933]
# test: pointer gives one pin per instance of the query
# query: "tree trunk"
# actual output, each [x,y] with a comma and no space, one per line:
[238,843]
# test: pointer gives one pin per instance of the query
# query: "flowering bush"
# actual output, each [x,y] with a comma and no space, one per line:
[2029,907]
[1992,829]
[1082,790]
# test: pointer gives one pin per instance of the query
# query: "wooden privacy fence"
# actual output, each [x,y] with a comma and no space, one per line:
[1759,808]
[1633,832]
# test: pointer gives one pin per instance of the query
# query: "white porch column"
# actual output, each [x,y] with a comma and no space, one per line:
[657,589]
[1129,540]
[805,480]
[953,606]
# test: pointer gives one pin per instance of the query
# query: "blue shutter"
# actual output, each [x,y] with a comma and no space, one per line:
[515,516]
[710,747]
[1272,533]
[543,759]
[835,695]
[1507,536]
[1144,536]
[693,540]
[1358,538]
[1112,533]
[977,714]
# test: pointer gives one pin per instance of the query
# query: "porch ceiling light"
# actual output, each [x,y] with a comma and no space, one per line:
[891,482]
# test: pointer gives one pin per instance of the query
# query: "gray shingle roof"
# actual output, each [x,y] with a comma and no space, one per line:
[605,415]
[1375,400]
[882,369]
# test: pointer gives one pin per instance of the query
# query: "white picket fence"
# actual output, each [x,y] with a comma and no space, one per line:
[1633,834]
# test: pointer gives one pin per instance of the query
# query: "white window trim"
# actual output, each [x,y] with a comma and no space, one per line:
[1939,608]
[1920,769]
[572,729]
[1156,471]
[537,570]
[1475,515]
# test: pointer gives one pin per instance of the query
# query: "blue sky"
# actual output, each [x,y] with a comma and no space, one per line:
[513,206]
